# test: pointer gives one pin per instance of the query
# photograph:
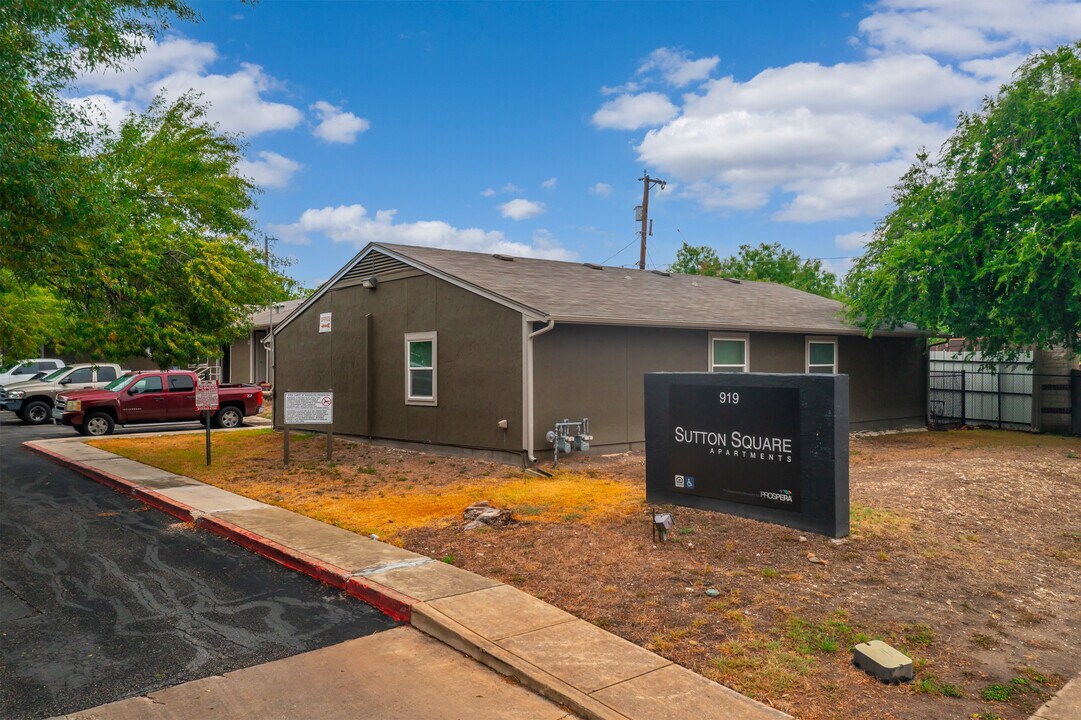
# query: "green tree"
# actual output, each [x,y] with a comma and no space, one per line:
[136,242]
[766,263]
[985,241]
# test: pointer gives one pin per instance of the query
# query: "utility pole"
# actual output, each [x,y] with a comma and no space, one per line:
[647,183]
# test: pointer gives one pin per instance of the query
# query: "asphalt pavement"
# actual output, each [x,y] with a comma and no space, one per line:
[103,598]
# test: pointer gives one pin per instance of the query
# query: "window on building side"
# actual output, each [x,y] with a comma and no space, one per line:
[822,355]
[728,353]
[420,359]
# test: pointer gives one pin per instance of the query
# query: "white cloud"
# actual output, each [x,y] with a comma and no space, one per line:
[969,28]
[510,188]
[602,189]
[852,240]
[178,65]
[885,85]
[270,171]
[352,224]
[521,209]
[103,109]
[236,101]
[174,54]
[336,125]
[630,112]
[676,66]
[829,141]
[550,183]
[487,192]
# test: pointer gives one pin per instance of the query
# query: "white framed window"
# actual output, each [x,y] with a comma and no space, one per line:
[729,352]
[821,355]
[420,368]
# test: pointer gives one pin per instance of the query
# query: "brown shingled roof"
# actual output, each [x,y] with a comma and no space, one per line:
[577,293]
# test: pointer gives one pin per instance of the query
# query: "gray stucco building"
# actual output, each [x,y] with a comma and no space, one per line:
[487,352]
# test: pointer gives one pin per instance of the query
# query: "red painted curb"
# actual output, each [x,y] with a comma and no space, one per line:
[390,602]
[294,560]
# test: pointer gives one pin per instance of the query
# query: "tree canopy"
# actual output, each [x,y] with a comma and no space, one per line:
[117,243]
[985,241]
[766,262]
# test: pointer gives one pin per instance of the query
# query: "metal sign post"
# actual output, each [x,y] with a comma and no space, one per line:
[206,399]
[308,408]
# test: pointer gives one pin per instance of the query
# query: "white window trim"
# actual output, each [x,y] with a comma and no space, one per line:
[823,340]
[423,337]
[745,337]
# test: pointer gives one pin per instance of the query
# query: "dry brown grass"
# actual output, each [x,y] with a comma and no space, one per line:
[377,490]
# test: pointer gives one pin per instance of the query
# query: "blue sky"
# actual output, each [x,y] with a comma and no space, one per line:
[523,128]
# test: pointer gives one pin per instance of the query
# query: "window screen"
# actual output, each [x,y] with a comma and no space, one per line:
[728,355]
[822,356]
[420,351]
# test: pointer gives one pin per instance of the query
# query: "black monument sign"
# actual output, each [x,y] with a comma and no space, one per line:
[764,446]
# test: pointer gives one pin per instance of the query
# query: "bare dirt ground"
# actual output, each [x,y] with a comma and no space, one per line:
[965,554]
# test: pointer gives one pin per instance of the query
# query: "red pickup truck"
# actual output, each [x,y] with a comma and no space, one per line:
[152,397]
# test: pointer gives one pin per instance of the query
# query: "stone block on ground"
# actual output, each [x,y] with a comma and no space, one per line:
[882,661]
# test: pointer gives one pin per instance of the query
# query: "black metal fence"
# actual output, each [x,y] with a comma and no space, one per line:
[1015,400]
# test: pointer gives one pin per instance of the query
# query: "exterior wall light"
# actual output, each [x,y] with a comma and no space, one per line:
[369,282]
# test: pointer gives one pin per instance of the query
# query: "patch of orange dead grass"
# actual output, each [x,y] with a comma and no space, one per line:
[365,504]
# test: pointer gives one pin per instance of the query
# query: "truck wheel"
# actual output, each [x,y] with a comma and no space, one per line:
[98,423]
[36,412]
[228,417]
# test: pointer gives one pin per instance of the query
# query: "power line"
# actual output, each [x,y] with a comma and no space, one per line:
[617,252]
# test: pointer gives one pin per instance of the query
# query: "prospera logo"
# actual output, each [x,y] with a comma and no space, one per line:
[783,496]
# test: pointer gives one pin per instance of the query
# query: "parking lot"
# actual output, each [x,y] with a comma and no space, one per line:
[102,598]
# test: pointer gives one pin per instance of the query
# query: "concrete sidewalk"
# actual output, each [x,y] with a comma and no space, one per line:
[398,674]
[1066,705]
[580,666]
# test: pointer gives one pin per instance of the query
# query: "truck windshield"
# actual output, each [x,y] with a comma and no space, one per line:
[121,382]
[55,374]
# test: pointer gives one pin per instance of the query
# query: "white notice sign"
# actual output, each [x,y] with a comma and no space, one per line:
[309,408]
[206,395]
[324,322]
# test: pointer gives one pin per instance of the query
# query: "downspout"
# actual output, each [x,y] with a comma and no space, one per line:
[529,386]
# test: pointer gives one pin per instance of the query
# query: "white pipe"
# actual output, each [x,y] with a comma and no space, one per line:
[529,386]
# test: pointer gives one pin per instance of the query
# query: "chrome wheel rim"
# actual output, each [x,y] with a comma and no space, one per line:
[97,426]
[230,419]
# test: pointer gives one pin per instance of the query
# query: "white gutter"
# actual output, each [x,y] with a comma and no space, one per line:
[529,387]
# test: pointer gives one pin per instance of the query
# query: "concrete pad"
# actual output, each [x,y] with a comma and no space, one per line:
[399,674]
[77,450]
[583,655]
[676,693]
[130,470]
[286,527]
[209,499]
[1066,705]
[431,581]
[501,611]
[356,553]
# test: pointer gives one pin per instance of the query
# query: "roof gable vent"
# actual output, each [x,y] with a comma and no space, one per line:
[504,258]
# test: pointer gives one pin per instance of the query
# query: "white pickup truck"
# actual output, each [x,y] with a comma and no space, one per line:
[32,401]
